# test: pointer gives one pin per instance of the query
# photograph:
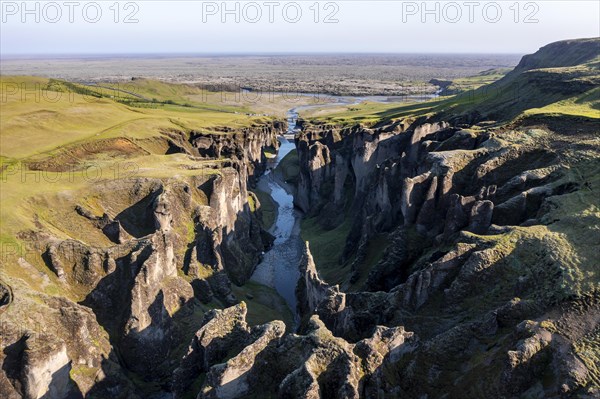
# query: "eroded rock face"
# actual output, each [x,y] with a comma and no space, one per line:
[419,286]
[472,258]
[430,176]
[528,350]
[222,331]
[478,294]
[156,293]
[135,287]
[246,145]
[263,361]
[238,230]
[233,379]
[37,363]
[352,316]
[132,291]
[46,368]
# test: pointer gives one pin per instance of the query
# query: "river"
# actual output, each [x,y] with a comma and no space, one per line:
[279,267]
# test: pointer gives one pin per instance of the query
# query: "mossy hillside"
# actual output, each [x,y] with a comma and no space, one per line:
[588,350]
[289,168]
[586,105]
[99,138]
[267,208]
[499,101]
[327,247]
[264,304]
[55,119]
[474,82]
[116,152]
[561,71]
[563,53]
[370,113]
[560,79]
[568,91]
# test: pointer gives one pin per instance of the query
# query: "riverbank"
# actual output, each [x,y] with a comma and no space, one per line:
[279,267]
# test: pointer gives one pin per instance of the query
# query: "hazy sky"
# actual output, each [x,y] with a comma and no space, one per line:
[281,26]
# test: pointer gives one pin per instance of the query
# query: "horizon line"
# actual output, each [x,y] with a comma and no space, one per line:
[233,53]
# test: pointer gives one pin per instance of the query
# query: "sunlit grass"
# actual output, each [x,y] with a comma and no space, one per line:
[36,118]
[95,139]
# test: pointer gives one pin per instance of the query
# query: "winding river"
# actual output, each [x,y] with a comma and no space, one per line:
[279,267]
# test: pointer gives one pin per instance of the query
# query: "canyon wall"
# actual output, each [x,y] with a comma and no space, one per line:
[460,206]
[181,239]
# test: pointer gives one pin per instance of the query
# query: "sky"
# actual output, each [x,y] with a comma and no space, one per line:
[351,26]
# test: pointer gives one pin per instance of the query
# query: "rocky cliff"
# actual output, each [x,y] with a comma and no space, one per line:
[464,255]
[486,284]
[482,257]
[172,244]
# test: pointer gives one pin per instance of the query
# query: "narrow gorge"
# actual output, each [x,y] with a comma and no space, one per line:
[436,249]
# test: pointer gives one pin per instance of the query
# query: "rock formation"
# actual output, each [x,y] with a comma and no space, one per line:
[478,220]
[177,239]
[468,268]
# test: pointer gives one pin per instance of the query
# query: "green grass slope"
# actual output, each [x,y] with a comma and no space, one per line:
[63,143]
[562,78]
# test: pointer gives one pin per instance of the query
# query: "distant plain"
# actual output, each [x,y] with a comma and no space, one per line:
[340,74]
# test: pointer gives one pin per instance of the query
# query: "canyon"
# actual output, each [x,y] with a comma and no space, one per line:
[445,248]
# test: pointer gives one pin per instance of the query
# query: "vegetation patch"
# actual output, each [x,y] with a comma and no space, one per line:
[264,304]
[289,167]
[474,82]
[267,208]
[375,250]
[327,247]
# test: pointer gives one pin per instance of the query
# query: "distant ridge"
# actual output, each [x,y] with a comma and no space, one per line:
[559,71]
[563,53]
